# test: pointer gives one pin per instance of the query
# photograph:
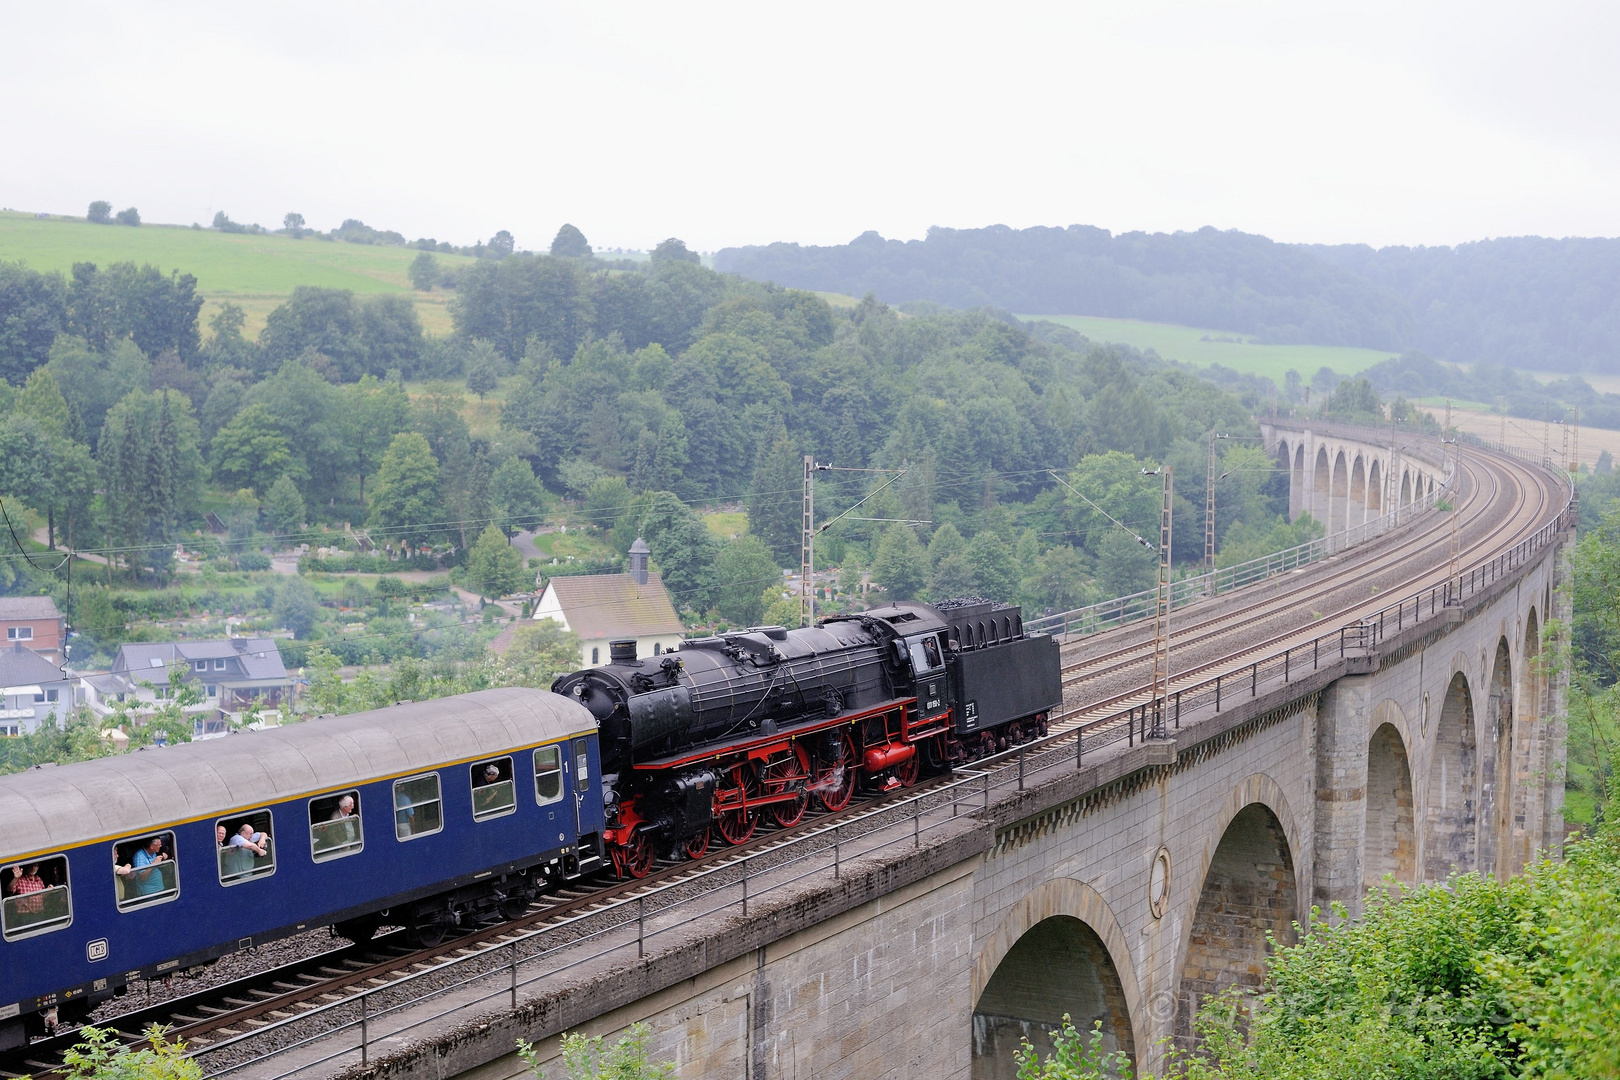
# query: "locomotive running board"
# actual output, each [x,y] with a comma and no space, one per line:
[784,734]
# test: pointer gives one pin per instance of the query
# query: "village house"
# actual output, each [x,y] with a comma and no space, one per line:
[32,689]
[232,674]
[34,623]
[600,608]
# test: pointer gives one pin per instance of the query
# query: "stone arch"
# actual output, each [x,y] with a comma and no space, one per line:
[1355,511]
[1249,891]
[1321,486]
[1451,807]
[1375,490]
[1340,496]
[1389,842]
[1406,488]
[1058,950]
[1296,488]
[1533,683]
[1496,795]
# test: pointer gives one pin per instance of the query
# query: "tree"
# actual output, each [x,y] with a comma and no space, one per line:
[128,216]
[742,570]
[100,213]
[326,321]
[673,250]
[98,1055]
[373,412]
[405,504]
[42,399]
[1059,580]
[995,574]
[424,272]
[483,374]
[501,244]
[516,499]
[293,223]
[284,506]
[947,541]
[151,469]
[1113,481]
[901,564]
[570,243]
[251,451]
[585,1058]
[494,566]
[1123,565]
[682,546]
[33,310]
[139,303]
[294,607]
[541,650]
[776,497]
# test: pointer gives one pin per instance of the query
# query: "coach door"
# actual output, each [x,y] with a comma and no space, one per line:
[582,786]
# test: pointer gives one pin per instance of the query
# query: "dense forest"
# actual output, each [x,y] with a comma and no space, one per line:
[626,398]
[1526,302]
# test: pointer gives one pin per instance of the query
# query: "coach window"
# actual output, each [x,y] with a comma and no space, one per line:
[416,807]
[144,871]
[493,793]
[36,897]
[246,848]
[547,775]
[582,766]
[334,826]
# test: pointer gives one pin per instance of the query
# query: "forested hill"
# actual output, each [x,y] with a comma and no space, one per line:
[1525,302]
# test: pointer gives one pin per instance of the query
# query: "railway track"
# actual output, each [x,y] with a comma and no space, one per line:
[1498,500]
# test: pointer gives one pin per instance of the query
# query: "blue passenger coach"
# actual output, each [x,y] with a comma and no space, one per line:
[423,815]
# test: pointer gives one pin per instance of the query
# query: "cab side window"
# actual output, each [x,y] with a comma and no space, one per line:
[417,809]
[246,848]
[37,898]
[493,793]
[145,871]
[334,826]
[548,785]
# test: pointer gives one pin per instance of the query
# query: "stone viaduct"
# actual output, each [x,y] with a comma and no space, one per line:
[1127,885]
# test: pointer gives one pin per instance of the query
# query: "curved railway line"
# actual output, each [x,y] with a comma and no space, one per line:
[1499,502]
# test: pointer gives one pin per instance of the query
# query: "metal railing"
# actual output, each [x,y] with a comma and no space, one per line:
[628,926]
[1139,606]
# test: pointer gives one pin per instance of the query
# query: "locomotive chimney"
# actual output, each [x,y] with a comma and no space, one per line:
[622,651]
[638,562]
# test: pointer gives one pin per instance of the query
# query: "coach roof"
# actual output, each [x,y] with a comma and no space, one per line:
[52,808]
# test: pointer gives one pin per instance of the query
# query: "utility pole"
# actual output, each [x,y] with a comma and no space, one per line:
[1546,437]
[1563,425]
[1209,510]
[807,547]
[1575,466]
[1161,608]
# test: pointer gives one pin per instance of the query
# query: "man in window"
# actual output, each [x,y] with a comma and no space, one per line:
[345,809]
[23,882]
[146,880]
[248,837]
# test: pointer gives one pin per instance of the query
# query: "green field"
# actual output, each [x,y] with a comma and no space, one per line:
[1191,345]
[256,272]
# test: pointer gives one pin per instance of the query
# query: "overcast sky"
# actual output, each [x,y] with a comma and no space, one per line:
[1386,123]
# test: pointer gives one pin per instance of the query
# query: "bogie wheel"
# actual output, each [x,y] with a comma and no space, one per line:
[781,775]
[425,935]
[639,855]
[839,773]
[698,846]
[908,770]
[514,907]
[738,825]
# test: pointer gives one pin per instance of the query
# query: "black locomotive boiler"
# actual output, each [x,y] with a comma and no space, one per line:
[709,739]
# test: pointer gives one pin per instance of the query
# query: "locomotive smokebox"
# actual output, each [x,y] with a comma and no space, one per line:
[622,651]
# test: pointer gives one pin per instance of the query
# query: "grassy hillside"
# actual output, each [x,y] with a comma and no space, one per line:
[1191,345]
[255,272]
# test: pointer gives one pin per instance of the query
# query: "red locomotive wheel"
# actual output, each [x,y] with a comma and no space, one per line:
[698,846]
[639,855]
[781,775]
[738,825]
[836,778]
[908,770]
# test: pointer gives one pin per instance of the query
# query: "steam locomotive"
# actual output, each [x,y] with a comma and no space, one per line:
[709,740]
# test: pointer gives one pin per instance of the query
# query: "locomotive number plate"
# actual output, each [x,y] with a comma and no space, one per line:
[970,714]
